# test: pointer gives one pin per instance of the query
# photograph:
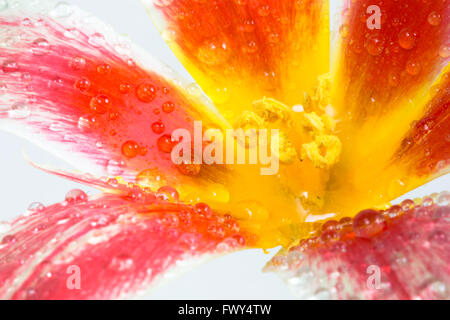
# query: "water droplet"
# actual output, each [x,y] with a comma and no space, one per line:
[407,39]
[168,107]
[9,239]
[250,48]
[369,223]
[19,110]
[77,63]
[165,143]
[130,149]
[203,210]
[214,52]
[36,207]
[264,10]
[427,202]
[375,45]
[444,51]
[158,127]
[62,10]
[4,227]
[168,193]
[122,262]
[407,204]
[125,88]
[434,18]
[151,178]
[76,196]
[146,92]
[97,40]
[189,169]
[443,199]
[413,68]
[100,104]
[40,47]
[83,85]
[104,69]
[10,66]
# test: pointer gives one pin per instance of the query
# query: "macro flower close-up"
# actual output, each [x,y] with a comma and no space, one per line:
[316,131]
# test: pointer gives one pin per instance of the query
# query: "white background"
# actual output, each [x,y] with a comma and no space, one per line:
[237,276]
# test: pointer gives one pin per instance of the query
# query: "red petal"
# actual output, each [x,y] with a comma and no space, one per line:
[381,69]
[407,246]
[76,88]
[107,247]
[241,51]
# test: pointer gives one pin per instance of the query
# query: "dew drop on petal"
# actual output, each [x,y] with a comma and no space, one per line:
[83,85]
[40,47]
[375,45]
[4,227]
[168,107]
[100,104]
[171,193]
[97,40]
[77,63]
[146,92]
[76,196]
[413,68]
[9,66]
[130,149]
[158,127]
[19,110]
[434,18]
[407,39]
[9,239]
[444,51]
[165,143]
[214,52]
[121,263]
[36,207]
[368,223]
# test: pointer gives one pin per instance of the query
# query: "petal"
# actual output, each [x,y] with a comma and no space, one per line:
[109,246]
[71,85]
[241,51]
[377,99]
[425,150]
[380,68]
[401,253]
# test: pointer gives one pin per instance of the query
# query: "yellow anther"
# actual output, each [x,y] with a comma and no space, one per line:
[312,122]
[249,120]
[272,110]
[286,152]
[324,151]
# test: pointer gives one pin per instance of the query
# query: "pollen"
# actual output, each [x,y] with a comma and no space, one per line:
[324,151]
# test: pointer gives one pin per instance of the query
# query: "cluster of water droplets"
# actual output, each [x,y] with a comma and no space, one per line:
[304,266]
